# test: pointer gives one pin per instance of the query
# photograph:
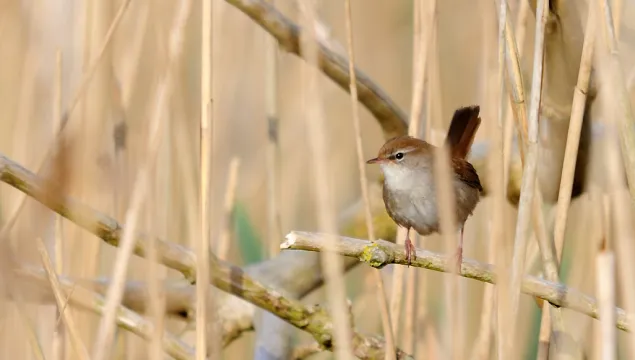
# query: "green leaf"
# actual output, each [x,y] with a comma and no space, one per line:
[249,243]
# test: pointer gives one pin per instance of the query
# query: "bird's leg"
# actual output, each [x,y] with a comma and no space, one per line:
[459,253]
[411,252]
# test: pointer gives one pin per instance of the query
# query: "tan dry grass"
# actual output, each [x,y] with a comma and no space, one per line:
[30,35]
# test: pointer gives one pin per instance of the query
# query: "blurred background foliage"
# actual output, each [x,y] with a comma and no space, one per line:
[465,66]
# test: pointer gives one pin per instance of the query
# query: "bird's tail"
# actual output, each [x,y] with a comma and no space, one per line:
[462,131]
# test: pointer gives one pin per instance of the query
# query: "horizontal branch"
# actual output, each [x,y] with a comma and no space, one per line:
[390,117]
[382,253]
[223,275]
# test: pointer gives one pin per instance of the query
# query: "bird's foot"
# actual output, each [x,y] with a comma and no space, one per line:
[411,252]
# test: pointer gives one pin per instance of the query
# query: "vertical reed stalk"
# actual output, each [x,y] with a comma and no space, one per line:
[409,328]
[381,293]
[274,226]
[605,282]
[58,335]
[620,118]
[78,346]
[155,126]
[529,172]
[327,222]
[203,248]
[625,115]
[503,347]
[446,201]
[519,108]
[568,168]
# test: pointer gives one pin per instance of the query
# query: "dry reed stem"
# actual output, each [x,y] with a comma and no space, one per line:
[568,169]
[433,111]
[31,331]
[155,126]
[156,299]
[621,209]
[422,46]
[78,345]
[454,329]
[381,293]
[550,315]
[515,80]
[573,136]
[492,97]
[621,218]
[605,282]
[206,158]
[58,335]
[331,262]
[410,321]
[517,112]
[546,246]
[625,114]
[447,217]
[228,207]
[274,225]
[396,291]
[496,170]
[382,253]
[529,173]
[83,85]
[420,56]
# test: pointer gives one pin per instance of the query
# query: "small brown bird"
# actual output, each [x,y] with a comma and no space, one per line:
[409,191]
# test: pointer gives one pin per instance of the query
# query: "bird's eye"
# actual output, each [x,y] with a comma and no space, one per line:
[399,156]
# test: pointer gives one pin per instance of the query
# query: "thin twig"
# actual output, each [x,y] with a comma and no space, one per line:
[78,345]
[381,293]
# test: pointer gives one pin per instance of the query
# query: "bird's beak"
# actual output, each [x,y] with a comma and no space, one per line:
[373,161]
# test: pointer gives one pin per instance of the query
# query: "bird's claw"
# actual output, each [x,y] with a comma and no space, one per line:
[411,252]
[459,259]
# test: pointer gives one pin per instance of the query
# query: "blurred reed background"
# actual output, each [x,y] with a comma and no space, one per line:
[47,48]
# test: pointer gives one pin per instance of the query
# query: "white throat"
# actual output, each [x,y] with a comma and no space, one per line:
[400,177]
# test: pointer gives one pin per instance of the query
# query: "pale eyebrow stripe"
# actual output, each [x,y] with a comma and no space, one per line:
[405,151]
